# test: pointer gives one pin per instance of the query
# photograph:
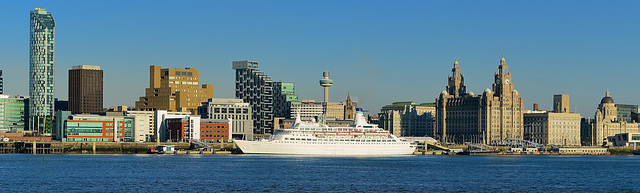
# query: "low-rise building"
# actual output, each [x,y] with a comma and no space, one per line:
[625,139]
[97,128]
[194,128]
[235,109]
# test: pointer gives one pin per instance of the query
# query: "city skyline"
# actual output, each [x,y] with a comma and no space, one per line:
[580,50]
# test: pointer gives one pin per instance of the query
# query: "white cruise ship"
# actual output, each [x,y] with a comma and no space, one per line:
[315,138]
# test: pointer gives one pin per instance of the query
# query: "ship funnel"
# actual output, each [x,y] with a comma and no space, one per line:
[359,119]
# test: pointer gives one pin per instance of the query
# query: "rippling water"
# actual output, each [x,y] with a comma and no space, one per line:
[208,173]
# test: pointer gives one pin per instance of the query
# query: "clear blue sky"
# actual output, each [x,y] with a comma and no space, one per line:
[380,51]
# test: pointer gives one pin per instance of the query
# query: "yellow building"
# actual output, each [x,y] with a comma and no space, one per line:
[174,90]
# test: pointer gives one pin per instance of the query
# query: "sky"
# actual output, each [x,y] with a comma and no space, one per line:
[378,51]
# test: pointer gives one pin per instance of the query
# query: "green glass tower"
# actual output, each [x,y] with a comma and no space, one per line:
[41,71]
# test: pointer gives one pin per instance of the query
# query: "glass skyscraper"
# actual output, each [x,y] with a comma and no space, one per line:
[41,70]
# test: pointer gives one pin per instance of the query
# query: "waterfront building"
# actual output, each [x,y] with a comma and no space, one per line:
[12,113]
[494,115]
[557,127]
[284,96]
[408,119]
[235,109]
[174,90]
[625,139]
[194,128]
[256,88]
[41,70]
[1,83]
[606,123]
[625,112]
[84,127]
[85,89]
[551,128]
[151,124]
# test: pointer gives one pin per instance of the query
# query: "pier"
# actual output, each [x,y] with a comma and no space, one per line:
[31,147]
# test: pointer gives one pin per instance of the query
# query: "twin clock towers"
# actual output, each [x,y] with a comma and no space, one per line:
[496,114]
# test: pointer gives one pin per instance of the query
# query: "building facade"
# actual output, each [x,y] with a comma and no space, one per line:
[97,128]
[465,117]
[85,89]
[307,109]
[235,109]
[551,128]
[174,90]
[193,128]
[12,113]
[606,123]
[256,88]
[406,119]
[41,70]
[626,112]
[284,95]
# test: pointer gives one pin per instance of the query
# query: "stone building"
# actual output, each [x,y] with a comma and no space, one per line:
[408,119]
[557,127]
[606,123]
[465,117]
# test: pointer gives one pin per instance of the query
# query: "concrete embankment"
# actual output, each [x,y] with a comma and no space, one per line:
[100,148]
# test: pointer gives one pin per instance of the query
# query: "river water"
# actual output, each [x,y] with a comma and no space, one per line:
[266,173]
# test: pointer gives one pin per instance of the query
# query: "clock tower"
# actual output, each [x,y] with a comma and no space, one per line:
[502,85]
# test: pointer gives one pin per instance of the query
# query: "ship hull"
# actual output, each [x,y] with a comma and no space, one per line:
[325,148]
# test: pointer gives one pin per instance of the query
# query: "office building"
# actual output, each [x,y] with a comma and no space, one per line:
[85,89]
[41,70]
[235,109]
[12,113]
[194,128]
[307,109]
[95,128]
[256,88]
[174,90]
[284,95]
[551,128]
[626,112]
[150,124]
[462,116]
[408,119]
[556,127]
[60,105]
[606,123]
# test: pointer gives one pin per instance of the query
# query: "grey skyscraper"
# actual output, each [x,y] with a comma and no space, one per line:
[41,70]
[255,88]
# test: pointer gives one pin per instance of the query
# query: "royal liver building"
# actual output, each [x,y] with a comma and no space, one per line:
[41,70]
[465,117]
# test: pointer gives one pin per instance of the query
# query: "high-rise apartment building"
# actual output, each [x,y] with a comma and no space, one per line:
[408,119]
[284,95]
[465,117]
[255,88]
[41,70]
[85,89]
[174,90]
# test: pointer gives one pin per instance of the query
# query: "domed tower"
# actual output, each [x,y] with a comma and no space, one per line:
[608,108]
[326,83]
[456,81]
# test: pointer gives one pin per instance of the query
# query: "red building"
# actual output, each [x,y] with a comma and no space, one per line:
[208,130]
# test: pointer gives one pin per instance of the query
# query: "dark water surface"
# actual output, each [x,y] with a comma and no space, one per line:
[259,173]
